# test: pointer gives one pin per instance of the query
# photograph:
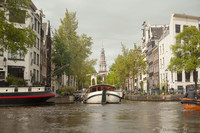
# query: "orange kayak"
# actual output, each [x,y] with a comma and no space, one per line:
[190,104]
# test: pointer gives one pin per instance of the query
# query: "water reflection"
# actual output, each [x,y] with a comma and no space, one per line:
[129,116]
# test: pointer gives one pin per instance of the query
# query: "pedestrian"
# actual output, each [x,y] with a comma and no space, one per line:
[198,92]
[191,93]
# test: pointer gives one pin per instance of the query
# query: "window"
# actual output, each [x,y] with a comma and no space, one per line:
[17,16]
[178,28]
[180,89]
[16,89]
[29,89]
[163,62]
[38,59]
[38,27]
[38,43]
[163,48]
[34,57]
[37,76]
[99,88]
[187,77]
[1,52]
[179,76]
[34,75]
[15,56]
[93,89]
[2,74]
[35,24]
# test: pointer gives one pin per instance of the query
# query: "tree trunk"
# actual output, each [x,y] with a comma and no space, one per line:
[128,83]
[195,79]
[68,81]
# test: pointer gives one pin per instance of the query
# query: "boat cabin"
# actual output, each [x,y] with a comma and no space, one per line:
[95,88]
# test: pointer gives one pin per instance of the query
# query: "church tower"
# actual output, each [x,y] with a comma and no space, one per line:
[102,66]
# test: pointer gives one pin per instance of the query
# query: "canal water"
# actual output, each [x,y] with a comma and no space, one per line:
[127,117]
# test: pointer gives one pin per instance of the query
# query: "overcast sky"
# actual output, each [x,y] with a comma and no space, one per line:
[115,21]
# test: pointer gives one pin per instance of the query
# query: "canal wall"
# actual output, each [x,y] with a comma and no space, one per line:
[62,99]
[153,97]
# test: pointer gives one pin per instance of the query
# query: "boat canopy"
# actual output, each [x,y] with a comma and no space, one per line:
[100,87]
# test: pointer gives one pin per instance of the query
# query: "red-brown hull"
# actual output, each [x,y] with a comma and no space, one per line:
[190,104]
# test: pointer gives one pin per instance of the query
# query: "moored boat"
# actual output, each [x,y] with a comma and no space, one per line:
[190,104]
[12,96]
[102,94]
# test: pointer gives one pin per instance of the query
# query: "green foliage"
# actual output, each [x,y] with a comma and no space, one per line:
[186,54]
[186,51]
[142,85]
[129,64]
[14,81]
[93,81]
[98,79]
[61,57]
[66,90]
[71,51]
[110,79]
[11,37]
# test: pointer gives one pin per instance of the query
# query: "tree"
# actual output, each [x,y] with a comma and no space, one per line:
[186,52]
[72,50]
[111,78]
[129,64]
[60,57]
[11,36]
[137,62]
[81,65]
[120,70]
[68,36]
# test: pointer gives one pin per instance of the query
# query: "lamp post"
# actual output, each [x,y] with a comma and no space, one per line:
[5,65]
[23,69]
[166,80]
[5,60]
[135,84]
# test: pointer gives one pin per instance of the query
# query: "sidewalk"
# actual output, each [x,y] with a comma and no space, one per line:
[154,97]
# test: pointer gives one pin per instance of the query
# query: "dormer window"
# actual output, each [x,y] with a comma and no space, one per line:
[178,28]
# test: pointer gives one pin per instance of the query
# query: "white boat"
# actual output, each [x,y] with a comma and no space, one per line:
[102,94]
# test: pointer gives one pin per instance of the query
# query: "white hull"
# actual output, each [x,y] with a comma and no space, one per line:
[96,97]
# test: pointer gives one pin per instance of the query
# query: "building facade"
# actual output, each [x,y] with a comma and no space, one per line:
[150,39]
[28,66]
[173,80]
[156,43]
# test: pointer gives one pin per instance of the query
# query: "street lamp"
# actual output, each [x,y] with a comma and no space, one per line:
[4,60]
[166,80]
[23,69]
[135,87]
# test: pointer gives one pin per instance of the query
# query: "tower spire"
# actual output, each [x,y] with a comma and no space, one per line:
[102,66]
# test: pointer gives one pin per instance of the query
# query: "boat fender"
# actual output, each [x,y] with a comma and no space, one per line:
[103,101]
